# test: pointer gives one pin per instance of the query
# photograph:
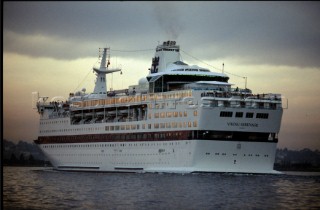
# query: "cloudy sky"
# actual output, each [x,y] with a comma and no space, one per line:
[51,47]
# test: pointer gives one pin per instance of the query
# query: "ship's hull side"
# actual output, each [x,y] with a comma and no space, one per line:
[174,156]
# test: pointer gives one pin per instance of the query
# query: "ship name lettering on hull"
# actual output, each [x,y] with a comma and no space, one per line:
[243,124]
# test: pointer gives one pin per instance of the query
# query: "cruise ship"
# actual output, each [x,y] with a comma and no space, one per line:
[180,118]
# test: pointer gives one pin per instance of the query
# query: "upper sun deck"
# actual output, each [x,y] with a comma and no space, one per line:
[242,98]
[192,98]
[124,100]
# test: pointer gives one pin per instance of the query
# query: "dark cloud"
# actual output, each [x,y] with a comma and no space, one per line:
[79,20]
[284,33]
[82,26]
[276,33]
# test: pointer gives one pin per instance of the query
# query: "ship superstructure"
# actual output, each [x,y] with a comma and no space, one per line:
[179,118]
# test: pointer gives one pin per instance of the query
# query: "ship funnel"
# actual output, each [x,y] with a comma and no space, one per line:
[166,53]
[101,82]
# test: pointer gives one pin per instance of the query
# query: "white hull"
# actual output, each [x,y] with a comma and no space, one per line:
[182,156]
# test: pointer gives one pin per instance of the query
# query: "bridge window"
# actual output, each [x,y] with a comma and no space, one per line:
[239,114]
[262,115]
[225,114]
[249,115]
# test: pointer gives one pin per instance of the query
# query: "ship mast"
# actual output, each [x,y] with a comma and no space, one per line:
[101,82]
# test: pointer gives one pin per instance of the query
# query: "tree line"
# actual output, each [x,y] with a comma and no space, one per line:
[22,154]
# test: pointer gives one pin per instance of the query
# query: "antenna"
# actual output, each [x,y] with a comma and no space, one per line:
[245,79]
[35,98]
[101,82]
[108,61]
[222,67]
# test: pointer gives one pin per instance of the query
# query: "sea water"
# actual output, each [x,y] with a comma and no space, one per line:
[44,188]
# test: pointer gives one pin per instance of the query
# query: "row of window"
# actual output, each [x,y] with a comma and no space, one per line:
[146,154]
[163,136]
[235,154]
[155,125]
[146,136]
[129,127]
[172,114]
[176,125]
[248,115]
[44,122]
[110,154]
[112,145]
[203,70]
[163,105]
[160,151]
[72,130]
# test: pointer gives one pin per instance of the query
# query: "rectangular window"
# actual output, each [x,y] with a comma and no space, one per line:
[226,114]
[195,113]
[174,124]
[249,115]
[195,124]
[263,115]
[239,114]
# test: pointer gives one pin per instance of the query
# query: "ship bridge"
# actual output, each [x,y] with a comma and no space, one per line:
[168,72]
[170,81]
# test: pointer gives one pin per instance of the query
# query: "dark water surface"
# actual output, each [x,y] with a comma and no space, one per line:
[43,188]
